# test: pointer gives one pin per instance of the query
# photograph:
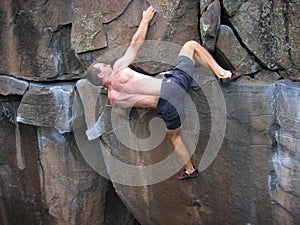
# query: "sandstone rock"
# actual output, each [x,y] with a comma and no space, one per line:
[209,25]
[268,30]
[230,52]
[47,105]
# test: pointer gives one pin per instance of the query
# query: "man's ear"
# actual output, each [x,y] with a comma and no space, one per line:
[101,75]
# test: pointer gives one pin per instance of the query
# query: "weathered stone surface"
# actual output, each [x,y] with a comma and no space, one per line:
[21,197]
[286,175]
[44,179]
[209,25]
[74,193]
[267,76]
[12,86]
[174,21]
[34,40]
[241,178]
[88,33]
[142,200]
[47,105]
[231,53]
[204,4]
[94,100]
[270,30]
[253,180]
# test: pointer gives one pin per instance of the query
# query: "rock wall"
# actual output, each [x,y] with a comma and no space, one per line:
[50,173]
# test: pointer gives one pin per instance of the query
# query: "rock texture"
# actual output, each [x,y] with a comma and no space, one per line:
[269,29]
[60,142]
[44,179]
[47,106]
[35,40]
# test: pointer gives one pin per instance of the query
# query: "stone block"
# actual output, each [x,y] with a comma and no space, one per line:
[47,105]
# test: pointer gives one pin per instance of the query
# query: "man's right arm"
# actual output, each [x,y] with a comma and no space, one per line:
[136,41]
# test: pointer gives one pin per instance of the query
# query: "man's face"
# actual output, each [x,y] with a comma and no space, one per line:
[105,68]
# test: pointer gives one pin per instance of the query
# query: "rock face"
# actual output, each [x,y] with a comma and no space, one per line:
[44,179]
[67,159]
[269,29]
[245,181]
[35,40]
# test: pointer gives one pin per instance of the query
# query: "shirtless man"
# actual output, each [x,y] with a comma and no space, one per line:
[128,88]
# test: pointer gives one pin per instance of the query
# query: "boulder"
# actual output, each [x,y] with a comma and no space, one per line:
[20,184]
[45,180]
[73,192]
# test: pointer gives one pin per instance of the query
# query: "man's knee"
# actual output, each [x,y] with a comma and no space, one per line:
[190,44]
[188,49]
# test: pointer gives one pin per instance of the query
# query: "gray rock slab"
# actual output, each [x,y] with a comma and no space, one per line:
[230,51]
[47,105]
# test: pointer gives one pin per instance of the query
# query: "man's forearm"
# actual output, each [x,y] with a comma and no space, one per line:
[140,35]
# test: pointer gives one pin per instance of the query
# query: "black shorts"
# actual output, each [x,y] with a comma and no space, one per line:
[170,106]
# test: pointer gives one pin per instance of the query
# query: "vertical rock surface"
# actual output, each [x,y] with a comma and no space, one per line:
[51,173]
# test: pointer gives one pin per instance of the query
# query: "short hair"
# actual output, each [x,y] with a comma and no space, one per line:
[91,75]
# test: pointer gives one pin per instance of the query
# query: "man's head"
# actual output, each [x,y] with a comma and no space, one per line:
[97,73]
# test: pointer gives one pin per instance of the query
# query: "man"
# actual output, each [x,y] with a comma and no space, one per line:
[128,88]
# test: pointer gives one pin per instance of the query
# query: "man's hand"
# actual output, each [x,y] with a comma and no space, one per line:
[148,14]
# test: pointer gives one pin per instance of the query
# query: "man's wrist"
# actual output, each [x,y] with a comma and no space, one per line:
[144,22]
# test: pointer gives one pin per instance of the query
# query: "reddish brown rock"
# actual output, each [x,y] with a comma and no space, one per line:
[35,40]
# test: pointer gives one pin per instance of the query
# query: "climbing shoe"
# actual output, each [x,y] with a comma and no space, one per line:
[182,175]
[234,75]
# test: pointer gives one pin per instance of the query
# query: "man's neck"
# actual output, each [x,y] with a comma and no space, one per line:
[106,82]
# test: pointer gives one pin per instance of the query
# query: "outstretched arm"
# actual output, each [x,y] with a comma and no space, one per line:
[136,41]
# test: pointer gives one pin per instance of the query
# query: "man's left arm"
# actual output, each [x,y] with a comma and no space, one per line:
[136,41]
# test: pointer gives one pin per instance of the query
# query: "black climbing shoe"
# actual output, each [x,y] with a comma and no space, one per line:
[234,75]
[182,175]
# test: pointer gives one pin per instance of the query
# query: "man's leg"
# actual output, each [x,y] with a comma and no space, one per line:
[193,49]
[181,150]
